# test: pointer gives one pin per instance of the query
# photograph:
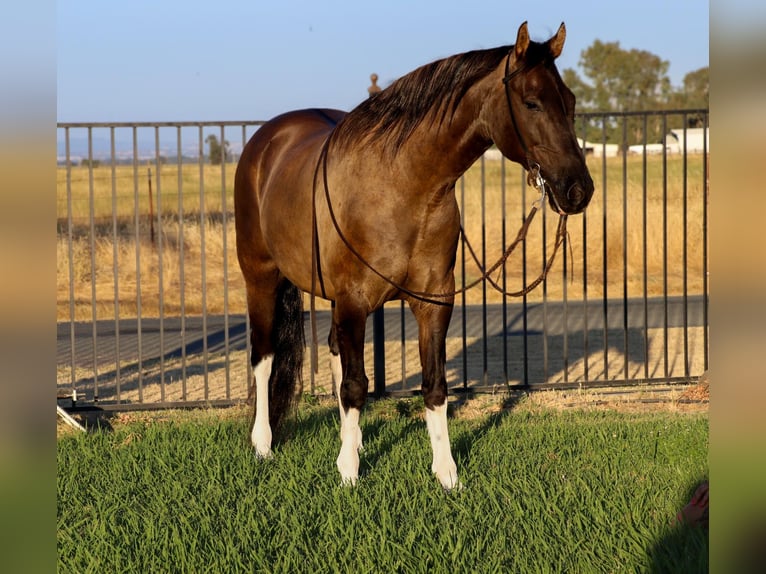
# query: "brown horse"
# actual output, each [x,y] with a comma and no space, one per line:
[360,209]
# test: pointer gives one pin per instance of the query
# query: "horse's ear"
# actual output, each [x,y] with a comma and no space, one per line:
[556,44]
[522,42]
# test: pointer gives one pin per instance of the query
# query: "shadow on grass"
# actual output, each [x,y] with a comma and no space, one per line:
[304,421]
[683,548]
[384,442]
[465,441]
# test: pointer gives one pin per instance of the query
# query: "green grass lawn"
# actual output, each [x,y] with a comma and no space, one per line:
[545,491]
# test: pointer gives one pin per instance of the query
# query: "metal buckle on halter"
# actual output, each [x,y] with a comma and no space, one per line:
[535,179]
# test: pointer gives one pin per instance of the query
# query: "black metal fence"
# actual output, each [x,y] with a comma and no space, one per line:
[151,307]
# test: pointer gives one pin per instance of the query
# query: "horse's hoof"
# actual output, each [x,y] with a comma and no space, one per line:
[348,474]
[348,481]
[263,453]
[450,482]
[456,487]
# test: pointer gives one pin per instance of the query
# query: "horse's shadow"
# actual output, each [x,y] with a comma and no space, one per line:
[463,443]
[517,351]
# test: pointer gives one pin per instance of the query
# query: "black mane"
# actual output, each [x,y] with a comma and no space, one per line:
[394,113]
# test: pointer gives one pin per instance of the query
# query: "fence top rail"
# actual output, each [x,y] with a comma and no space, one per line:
[184,124]
[672,112]
[157,124]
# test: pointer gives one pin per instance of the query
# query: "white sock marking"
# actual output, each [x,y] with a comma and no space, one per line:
[351,442]
[443,466]
[261,433]
[337,377]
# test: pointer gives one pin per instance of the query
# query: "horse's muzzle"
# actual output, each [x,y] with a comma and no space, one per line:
[575,199]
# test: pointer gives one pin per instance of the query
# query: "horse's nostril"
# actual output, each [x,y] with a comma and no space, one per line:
[575,194]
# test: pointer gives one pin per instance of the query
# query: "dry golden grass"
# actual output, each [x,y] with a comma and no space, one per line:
[98,262]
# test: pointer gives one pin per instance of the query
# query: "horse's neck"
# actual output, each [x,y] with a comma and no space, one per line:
[448,150]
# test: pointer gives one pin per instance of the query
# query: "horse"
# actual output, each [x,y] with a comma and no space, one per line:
[359,208]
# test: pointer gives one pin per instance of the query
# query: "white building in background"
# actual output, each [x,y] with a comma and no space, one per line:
[599,149]
[697,140]
[674,143]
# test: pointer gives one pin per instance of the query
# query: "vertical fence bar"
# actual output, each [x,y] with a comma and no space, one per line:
[203,261]
[705,190]
[484,350]
[181,270]
[665,248]
[503,209]
[586,353]
[403,334]
[70,254]
[565,313]
[463,280]
[645,250]
[225,232]
[115,267]
[93,271]
[525,320]
[137,217]
[379,352]
[545,291]
[160,275]
[151,204]
[626,354]
[605,300]
[685,248]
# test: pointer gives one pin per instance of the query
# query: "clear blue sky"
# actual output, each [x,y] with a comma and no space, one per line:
[174,60]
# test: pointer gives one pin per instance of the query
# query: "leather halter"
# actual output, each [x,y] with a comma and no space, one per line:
[507,83]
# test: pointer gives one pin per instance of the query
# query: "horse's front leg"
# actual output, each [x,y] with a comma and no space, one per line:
[433,321]
[337,375]
[349,325]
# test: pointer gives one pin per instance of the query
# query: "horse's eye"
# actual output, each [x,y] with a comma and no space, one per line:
[530,105]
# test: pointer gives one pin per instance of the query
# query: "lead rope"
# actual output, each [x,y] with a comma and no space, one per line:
[535,179]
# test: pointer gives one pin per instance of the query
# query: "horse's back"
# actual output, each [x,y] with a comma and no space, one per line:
[272,184]
[291,137]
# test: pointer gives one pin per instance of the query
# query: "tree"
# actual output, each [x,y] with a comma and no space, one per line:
[217,152]
[625,80]
[697,88]
[694,94]
[621,80]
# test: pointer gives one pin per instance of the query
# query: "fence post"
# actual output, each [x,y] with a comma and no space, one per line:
[378,317]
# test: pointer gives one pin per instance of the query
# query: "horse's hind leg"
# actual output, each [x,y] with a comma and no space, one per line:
[349,324]
[433,321]
[260,308]
[275,307]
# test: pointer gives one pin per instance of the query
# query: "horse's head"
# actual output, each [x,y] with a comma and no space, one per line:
[534,124]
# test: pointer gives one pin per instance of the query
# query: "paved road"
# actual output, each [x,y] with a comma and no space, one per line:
[169,339]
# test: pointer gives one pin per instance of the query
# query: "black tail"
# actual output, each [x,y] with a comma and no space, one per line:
[286,382]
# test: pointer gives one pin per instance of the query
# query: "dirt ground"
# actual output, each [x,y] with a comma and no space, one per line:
[694,398]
